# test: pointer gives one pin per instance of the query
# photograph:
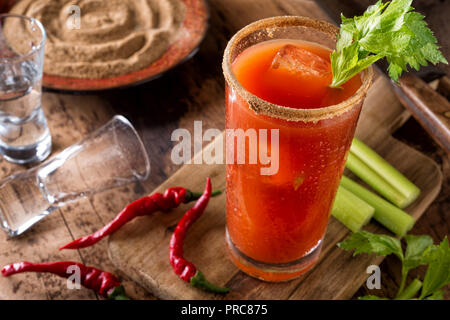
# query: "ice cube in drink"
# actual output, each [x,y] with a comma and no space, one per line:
[300,62]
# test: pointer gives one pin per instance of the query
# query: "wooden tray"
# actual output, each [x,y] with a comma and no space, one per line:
[140,249]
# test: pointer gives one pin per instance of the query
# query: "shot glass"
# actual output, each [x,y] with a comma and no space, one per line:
[276,222]
[110,157]
[24,135]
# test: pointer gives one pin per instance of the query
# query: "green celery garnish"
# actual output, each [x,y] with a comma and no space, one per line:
[366,242]
[438,272]
[393,218]
[390,30]
[420,250]
[370,167]
[350,210]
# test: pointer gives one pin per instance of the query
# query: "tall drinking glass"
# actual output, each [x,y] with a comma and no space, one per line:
[276,221]
[24,135]
[111,156]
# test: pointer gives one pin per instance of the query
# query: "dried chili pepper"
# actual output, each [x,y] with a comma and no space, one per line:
[171,198]
[102,282]
[183,268]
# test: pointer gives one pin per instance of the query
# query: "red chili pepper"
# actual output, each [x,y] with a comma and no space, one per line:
[102,282]
[183,268]
[171,198]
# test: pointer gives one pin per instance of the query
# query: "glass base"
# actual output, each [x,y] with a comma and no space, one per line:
[272,272]
[28,154]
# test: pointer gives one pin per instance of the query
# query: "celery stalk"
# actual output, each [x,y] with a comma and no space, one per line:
[350,210]
[393,218]
[358,167]
[411,291]
[380,175]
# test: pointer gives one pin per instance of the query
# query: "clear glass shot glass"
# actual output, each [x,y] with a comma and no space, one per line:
[111,156]
[276,223]
[24,135]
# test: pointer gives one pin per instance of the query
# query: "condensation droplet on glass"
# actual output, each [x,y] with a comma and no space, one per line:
[32,26]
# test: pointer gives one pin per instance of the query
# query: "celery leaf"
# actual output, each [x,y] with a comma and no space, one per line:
[366,242]
[416,246]
[388,30]
[438,272]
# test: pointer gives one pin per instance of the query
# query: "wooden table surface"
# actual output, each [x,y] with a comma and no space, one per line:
[193,91]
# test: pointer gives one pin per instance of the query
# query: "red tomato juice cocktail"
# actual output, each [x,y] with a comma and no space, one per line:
[278,74]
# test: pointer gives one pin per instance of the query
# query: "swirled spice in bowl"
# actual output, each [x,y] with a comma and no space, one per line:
[114,37]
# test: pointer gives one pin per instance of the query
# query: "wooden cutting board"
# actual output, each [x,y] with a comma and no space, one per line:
[140,249]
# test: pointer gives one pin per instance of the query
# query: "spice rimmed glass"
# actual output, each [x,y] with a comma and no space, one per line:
[276,223]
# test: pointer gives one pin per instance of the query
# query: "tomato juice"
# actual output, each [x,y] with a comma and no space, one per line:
[277,221]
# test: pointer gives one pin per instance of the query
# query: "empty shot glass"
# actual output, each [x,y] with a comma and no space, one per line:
[24,135]
[110,157]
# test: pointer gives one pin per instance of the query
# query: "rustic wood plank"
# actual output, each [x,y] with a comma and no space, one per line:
[193,91]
